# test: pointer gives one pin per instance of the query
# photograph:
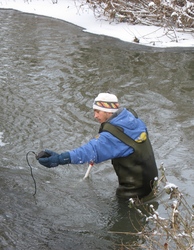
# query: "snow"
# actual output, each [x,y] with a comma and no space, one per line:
[170,186]
[2,143]
[78,12]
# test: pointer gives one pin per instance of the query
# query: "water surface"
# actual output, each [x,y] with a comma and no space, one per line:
[50,73]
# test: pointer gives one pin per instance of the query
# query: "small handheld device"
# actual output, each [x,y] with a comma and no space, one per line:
[42,154]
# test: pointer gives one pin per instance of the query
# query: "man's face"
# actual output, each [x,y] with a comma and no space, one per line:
[101,116]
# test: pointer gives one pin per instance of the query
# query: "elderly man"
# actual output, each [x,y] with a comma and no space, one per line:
[123,138]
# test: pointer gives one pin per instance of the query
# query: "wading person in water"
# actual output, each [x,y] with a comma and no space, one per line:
[123,138]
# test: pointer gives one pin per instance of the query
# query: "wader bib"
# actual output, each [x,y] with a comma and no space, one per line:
[137,171]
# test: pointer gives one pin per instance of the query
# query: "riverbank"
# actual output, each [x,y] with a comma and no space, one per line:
[80,14]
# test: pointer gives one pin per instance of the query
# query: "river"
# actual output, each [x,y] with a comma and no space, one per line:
[51,71]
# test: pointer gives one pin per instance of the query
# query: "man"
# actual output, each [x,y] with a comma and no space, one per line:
[123,137]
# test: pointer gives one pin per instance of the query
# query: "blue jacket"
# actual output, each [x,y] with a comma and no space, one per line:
[106,146]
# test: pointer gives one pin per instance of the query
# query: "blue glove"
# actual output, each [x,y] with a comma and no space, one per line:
[54,159]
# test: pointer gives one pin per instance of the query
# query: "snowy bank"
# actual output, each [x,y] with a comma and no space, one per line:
[75,12]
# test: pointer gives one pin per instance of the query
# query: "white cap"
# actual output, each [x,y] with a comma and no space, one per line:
[106,102]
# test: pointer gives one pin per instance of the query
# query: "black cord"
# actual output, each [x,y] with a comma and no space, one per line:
[31,170]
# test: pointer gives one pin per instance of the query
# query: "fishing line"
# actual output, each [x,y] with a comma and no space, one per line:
[31,170]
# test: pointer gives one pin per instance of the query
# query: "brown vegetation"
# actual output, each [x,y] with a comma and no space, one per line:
[174,231]
[173,13]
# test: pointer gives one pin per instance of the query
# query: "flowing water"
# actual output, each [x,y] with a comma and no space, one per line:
[49,75]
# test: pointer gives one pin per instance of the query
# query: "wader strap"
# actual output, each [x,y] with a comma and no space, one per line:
[108,127]
[133,112]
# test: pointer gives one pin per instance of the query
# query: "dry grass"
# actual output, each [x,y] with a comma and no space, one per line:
[174,231]
[175,13]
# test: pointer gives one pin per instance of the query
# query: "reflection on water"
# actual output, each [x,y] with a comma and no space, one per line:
[50,73]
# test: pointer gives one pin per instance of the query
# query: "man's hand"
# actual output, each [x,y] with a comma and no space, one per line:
[51,159]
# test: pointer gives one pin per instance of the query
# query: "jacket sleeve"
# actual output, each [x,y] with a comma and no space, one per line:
[103,148]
